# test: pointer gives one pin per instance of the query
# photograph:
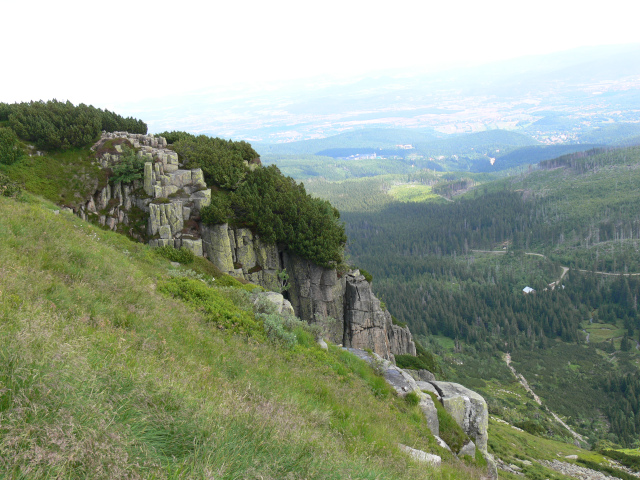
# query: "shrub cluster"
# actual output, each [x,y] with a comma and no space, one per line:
[219,211]
[281,211]
[424,360]
[54,125]
[8,188]
[222,161]
[130,167]
[10,150]
[181,255]
[215,305]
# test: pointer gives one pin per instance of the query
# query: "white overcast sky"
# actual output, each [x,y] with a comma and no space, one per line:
[117,51]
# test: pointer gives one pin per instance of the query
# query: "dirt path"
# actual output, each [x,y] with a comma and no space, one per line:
[608,273]
[525,384]
[564,269]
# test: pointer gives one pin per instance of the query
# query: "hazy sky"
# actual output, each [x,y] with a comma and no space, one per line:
[105,52]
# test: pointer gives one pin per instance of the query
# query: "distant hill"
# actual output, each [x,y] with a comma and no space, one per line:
[479,142]
[616,134]
[370,138]
[529,155]
[424,142]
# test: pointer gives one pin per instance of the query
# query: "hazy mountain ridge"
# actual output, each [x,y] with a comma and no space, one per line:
[590,86]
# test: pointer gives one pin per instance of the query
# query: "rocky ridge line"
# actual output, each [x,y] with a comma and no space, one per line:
[169,200]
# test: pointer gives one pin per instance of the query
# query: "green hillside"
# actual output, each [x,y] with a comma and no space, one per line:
[454,271]
[106,374]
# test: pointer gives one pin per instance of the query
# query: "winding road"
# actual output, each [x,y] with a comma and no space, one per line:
[564,269]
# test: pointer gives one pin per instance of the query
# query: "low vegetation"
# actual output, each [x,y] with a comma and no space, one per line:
[113,358]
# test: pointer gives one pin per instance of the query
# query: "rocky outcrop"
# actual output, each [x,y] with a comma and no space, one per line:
[169,200]
[368,325]
[403,383]
[238,252]
[317,295]
[344,307]
[575,471]
[157,208]
[467,408]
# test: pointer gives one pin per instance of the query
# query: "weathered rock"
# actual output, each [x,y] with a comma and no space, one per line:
[200,199]
[573,470]
[165,232]
[197,177]
[442,443]
[427,387]
[420,456]
[288,308]
[468,409]
[194,246]
[430,412]
[245,255]
[422,375]
[91,207]
[316,294]
[400,340]
[468,449]
[216,244]
[266,301]
[403,383]
[367,325]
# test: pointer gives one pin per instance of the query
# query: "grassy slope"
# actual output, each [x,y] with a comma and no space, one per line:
[101,376]
[66,178]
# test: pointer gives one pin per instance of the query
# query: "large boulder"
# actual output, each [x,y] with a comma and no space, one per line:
[275,300]
[422,375]
[420,456]
[468,409]
[403,383]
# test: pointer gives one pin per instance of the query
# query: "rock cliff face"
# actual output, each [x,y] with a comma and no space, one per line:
[367,325]
[164,209]
[317,295]
[344,307]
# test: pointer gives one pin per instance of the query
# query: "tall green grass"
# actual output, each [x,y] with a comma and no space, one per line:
[105,372]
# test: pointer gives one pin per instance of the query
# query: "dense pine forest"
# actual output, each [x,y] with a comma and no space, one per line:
[453,266]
